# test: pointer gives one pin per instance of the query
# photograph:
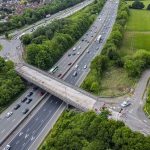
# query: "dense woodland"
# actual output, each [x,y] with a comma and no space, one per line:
[47,44]
[88,131]
[31,16]
[10,83]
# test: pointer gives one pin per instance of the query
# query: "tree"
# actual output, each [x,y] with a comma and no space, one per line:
[148,7]
[138,5]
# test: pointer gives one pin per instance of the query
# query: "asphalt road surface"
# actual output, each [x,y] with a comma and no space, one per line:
[13,50]
[28,140]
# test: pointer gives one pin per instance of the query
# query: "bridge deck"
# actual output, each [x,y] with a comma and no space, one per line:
[67,93]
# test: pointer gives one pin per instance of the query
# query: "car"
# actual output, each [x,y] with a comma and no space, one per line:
[74,54]
[69,54]
[7,147]
[79,47]
[17,106]
[88,42]
[9,114]
[31,93]
[28,101]
[25,110]
[74,48]
[76,66]
[97,48]
[35,88]
[85,66]
[23,100]
[78,53]
[82,40]
[59,75]
[69,64]
[75,74]
[91,35]
[88,51]
[125,103]
[42,93]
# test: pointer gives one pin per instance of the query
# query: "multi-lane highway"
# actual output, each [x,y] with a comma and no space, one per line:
[26,139]
[13,50]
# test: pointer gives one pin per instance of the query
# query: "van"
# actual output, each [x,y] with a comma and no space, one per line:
[75,73]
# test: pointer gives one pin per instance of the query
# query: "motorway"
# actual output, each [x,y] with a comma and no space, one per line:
[28,139]
[13,50]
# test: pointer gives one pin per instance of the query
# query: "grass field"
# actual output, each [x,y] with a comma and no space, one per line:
[115,82]
[136,36]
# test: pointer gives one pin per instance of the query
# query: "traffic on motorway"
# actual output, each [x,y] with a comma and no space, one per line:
[101,27]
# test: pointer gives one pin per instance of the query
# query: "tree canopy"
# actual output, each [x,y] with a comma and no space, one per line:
[10,83]
[89,131]
[47,44]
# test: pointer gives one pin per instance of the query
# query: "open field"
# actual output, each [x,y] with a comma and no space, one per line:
[139,20]
[115,82]
[137,36]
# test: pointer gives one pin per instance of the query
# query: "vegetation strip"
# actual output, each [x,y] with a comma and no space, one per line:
[47,44]
[89,131]
[31,16]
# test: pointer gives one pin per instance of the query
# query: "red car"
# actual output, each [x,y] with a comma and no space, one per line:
[59,75]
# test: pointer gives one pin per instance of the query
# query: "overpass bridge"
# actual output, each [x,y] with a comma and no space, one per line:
[68,93]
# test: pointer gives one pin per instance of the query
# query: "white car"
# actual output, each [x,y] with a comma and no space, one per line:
[9,114]
[74,49]
[76,66]
[125,103]
[85,66]
[78,53]
[7,147]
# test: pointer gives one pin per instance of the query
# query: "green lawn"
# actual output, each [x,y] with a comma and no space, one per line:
[139,20]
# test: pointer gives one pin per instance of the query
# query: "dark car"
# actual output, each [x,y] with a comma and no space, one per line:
[25,111]
[23,100]
[35,88]
[59,75]
[28,101]
[69,54]
[16,107]
[31,93]
[42,93]
[69,64]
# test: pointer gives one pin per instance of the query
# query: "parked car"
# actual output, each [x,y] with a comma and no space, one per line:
[17,106]
[35,88]
[69,54]
[25,111]
[74,48]
[9,114]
